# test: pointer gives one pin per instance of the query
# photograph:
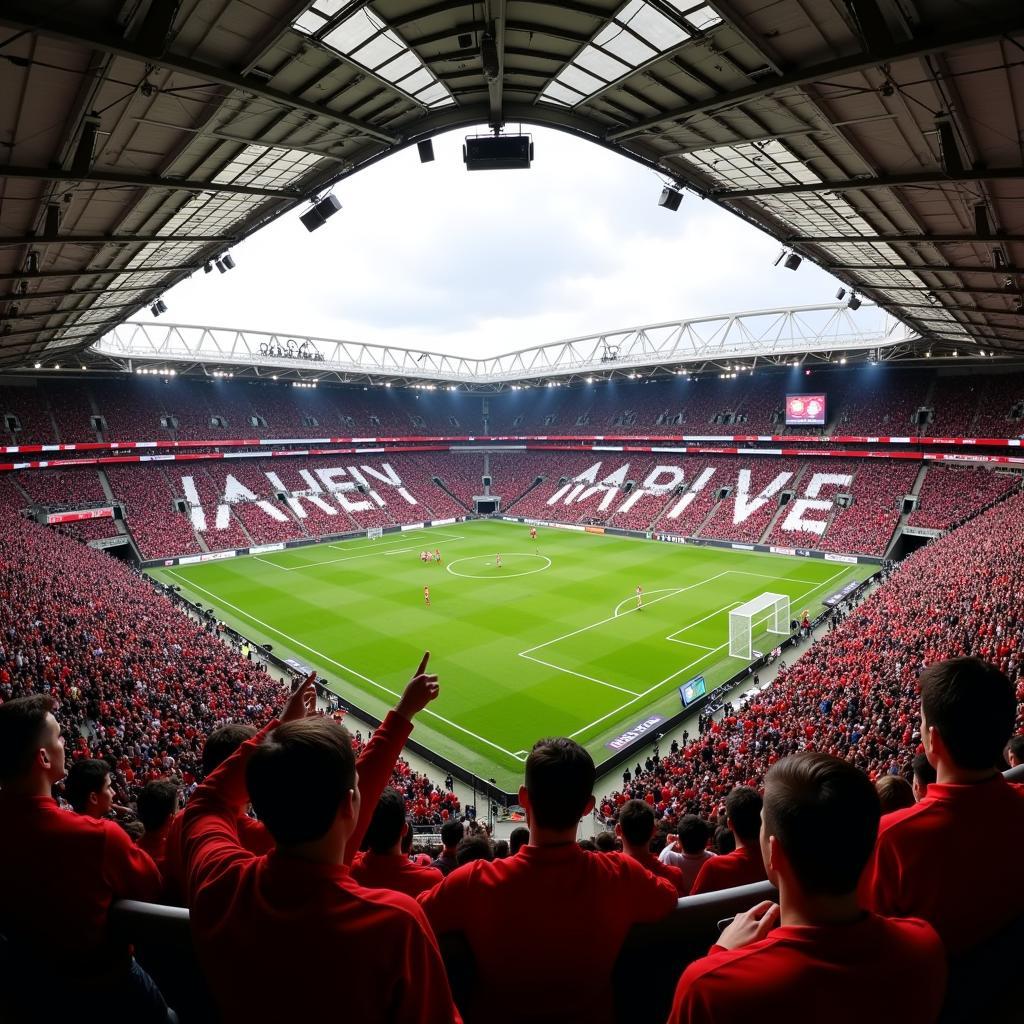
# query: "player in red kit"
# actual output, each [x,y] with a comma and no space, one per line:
[426,595]
[533,533]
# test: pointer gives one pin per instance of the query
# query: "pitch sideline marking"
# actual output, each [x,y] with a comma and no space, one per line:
[260,558]
[580,675]
[685,668]
[344,668]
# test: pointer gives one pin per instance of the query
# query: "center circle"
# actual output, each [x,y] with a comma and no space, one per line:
[503,575]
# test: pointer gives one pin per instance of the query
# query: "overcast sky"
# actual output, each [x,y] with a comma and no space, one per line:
[429,255]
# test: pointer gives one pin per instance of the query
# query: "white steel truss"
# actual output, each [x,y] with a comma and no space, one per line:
[769,336]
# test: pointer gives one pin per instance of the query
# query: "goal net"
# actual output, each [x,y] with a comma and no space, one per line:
[375,533]
[767,614]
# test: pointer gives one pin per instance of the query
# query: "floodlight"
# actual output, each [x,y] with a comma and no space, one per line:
[228,261]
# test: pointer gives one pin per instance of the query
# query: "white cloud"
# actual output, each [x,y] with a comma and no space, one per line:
[434,256]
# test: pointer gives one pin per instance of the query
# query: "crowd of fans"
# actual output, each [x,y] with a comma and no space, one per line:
[182,409]
[853,694]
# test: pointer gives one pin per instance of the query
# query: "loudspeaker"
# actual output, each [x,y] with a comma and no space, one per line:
[670,198]
[426,149]
[317,216]
[487,481]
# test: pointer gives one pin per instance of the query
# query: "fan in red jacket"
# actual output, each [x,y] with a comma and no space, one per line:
[61,872]
[744,865]
[922,861]
[290,935]
[827,954]
[554,914]
[635,828]
[383,865]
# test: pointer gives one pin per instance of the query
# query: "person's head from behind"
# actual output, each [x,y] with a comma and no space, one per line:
[157,803]
[606,842]
[472,848]
[636,825]
[518,838]
[693,834]
[924,776]
[501,849]
[302,783]
[743,810]
[894,793]
[559,787]
[451,835]
[968,709]
[1014,752]
[725,840]
[821,819]
[388,825]
[89,787]
[222,743]
[31,746]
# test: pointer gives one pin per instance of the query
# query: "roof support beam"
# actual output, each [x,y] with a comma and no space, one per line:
[41,23]
[882,181]
[949,39]
[99,177]
[935,268]
[89,272]
[495,15]
[39,296]
[885,239]
[79,311]
[111,240]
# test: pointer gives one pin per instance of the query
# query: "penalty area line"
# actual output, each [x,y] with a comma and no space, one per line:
[326,658]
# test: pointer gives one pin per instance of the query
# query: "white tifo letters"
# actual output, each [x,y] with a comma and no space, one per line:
[328,490]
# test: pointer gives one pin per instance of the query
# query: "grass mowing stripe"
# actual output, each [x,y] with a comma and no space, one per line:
[338,664]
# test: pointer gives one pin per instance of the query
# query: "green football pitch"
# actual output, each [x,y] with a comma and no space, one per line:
[550,643]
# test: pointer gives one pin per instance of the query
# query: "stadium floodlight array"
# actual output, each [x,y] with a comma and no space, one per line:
[769,612]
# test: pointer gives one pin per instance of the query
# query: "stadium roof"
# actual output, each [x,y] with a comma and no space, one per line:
[729,343]
[884,139]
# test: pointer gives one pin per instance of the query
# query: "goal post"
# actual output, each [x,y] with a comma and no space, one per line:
[374,532]
[768,613]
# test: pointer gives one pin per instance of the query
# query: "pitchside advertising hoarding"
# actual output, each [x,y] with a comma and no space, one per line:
[632,735]
[806,410]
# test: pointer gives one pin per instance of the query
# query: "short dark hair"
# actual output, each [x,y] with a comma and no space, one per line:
[725,841]
[894,793]
[825,813]
[636,819]
[299,776]
[222,743]
[518,838]
[501,849]
[85,777]
[606,842]
[587,845]
[972,706]
[21,728]
[472,848]
[451,833]
[559,780]
[743,808]
[1016,747]
[693,833]
[385,828]
[157,803]
[922,769]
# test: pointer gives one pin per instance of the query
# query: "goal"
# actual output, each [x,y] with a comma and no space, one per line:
[375,533]
[767,614]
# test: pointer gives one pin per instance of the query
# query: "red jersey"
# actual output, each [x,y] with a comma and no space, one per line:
[558,916]
[666,871]
[278,918]
[393,871]
[927,862]
[807,974]
[155,844]
[62,872]
[741,867]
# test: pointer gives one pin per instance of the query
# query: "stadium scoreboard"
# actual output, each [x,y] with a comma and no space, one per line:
[693,690]
[806,410]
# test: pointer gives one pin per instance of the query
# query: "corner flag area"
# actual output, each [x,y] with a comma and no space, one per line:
[549,643]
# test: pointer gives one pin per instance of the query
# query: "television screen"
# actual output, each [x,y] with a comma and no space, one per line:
[693,690]
[805,410]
